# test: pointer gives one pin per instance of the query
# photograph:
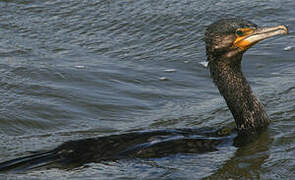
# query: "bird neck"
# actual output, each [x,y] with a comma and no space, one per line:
[247,111]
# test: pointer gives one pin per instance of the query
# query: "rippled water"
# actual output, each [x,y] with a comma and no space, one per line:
[77,69]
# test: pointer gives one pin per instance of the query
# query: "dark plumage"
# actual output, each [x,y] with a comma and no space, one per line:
[224,55]
[138,144]
[226,41]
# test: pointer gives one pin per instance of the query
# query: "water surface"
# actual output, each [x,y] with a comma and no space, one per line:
[79,69]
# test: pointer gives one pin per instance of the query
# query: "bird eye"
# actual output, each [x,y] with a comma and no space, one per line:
[239,33]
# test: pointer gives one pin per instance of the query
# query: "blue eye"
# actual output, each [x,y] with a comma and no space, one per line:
[239,33]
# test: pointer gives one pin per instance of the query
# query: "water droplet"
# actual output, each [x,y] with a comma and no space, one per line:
[288,48]
[170,70]
[79,66]
[163,78]
[204,63]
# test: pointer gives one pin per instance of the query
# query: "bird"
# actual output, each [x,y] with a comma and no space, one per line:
[226,41]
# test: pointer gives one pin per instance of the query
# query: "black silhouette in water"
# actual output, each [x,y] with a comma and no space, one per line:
[226,41]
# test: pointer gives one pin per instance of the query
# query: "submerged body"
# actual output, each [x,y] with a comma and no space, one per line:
[148,144]
[226,41]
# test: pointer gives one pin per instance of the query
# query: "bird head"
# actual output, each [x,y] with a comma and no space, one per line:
[229,38]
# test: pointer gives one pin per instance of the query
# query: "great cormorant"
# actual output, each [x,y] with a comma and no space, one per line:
[226,41]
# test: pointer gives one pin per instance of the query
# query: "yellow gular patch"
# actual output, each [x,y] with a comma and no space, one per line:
[241,35]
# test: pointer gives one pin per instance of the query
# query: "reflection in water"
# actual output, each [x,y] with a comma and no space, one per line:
[247,160]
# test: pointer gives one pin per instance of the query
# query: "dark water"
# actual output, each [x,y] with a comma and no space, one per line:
[77,69]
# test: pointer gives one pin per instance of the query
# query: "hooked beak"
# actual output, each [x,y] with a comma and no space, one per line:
[255,35]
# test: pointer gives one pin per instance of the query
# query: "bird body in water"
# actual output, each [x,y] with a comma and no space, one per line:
[226,41]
